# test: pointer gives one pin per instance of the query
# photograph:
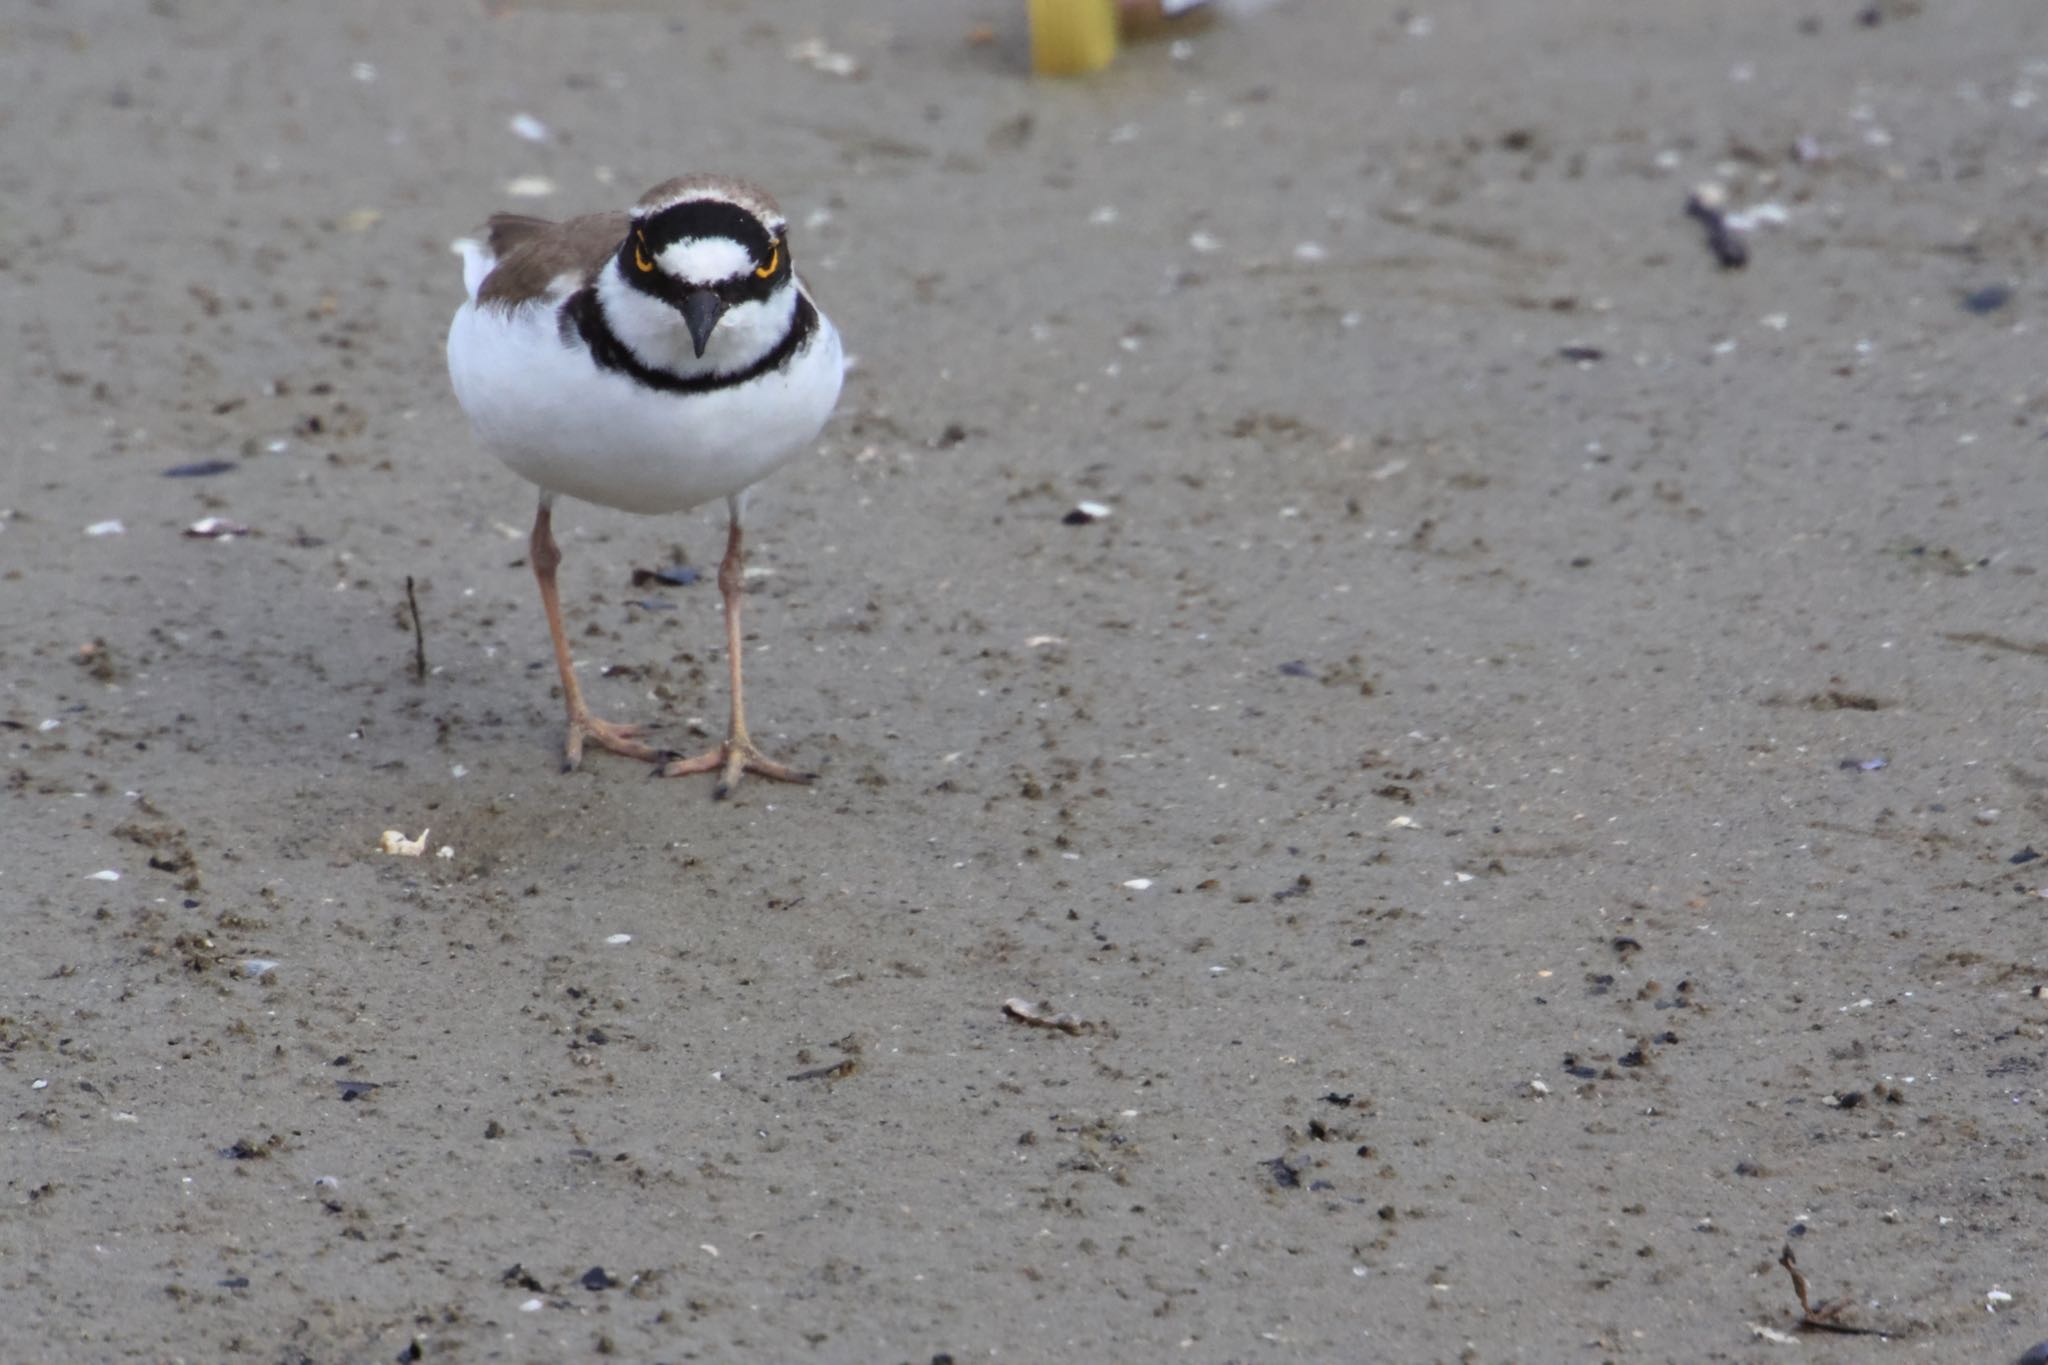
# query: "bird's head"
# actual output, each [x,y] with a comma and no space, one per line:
[714,249]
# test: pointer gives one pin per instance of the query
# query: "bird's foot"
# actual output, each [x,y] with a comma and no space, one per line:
[620,739]
[730,759]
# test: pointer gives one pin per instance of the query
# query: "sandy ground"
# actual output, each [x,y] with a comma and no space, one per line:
[1532,832]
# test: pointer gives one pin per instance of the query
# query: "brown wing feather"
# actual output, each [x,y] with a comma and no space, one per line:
[533,253]
[507,230]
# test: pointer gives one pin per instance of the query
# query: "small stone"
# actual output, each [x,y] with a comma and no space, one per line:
[1988,299]
[1085,513]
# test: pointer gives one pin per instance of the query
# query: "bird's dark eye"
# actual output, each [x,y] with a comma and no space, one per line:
[774,262]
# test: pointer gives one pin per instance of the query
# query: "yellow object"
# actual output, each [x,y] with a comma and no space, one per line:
[1069,37]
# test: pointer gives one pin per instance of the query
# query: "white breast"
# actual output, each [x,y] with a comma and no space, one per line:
[543,407]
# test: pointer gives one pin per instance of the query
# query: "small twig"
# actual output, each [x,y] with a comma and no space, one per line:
[1990,641]
[419,636]
[1791,1264]
[1822,1317]
[1730,251]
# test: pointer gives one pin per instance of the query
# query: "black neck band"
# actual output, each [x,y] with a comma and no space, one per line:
[582,312]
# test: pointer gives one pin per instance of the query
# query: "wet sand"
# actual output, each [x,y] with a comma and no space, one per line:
[1531,791]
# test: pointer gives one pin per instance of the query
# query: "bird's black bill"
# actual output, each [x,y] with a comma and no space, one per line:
[701,311]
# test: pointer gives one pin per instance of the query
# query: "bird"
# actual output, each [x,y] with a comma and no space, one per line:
[651,361]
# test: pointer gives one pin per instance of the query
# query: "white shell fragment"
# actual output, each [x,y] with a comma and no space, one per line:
[530,187]
[257,966]
[395,842]
[616,939]
[111,527]
[215,528]
[1138,884]
[529,127]
[813,53]
[1768,214]
[106,874]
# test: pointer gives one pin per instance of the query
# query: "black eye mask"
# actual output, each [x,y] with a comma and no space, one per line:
[701,218]
[706,218]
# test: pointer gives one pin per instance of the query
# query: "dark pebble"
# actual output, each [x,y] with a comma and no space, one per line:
[199,469]
[1582,353]
[2025,855]
[675,575]
[595,1279]
[2037,1354]
[352,1091]
[1284,1175]
[1989,299]
[1295,668]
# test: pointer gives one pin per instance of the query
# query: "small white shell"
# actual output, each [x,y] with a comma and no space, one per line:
[395,842]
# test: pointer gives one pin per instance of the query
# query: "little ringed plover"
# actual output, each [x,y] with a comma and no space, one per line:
[649,361]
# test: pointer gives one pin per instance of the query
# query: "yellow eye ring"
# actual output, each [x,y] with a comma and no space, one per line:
[640,260]
[774,261]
